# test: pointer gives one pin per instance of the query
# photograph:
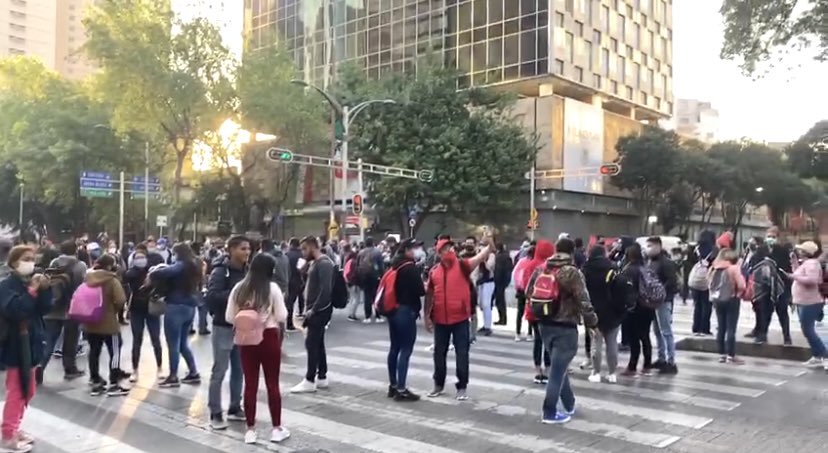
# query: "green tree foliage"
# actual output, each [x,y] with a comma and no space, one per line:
[757,30]
[162,76]
[808,156]
[478,157]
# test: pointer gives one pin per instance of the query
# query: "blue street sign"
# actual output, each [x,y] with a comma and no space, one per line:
[95,184]
[139,187]
[152,179]
[96,175]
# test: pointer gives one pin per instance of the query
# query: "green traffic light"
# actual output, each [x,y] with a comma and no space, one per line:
[286,156]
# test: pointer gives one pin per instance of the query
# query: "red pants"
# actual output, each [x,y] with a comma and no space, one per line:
[267,355]
[16,402]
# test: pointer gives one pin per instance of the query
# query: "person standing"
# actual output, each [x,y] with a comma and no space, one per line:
[256,309]
[139,315]
[704,254]
[484,279]
[726,286]
[808,301]
[559,301]
[183,282]
[448,308]
[502,278]
[665,270]
[318,293]
[25,298]
[785,258]
[228,272]
[522,267]
[639,320]
[295,293]
[369,265]
[402,323]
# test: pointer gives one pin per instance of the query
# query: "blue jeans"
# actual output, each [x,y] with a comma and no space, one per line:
[138,320]
[702,310]
[402,327]
[664,332]
[177,323]
[202,317]
[225,355]
[562,344]
[727,316]
[808,315]
[459,335]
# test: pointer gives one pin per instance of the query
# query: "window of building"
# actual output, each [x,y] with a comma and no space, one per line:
[559,66]
[664,47]
[663,11]
[622,69]
[657,102]
[17,27]
[14,51]
[644,59]
[605,18]
[589,11]
[590,55]
[637,36]
[629,11]
[657,64]
[629,93]
[622,27]
[569,6]
[596,81]
[615,5]
[579,74]
[614,45]
[629,51]
[19,2]
[605,62]
[669,107]
[511,10]
[651,78]
[644,98]
[614,87]
[17,14]
[579,28]
[17,40]
[637,74]
[570,46]
[669,70]
[495,10]
[596,37]
[664,83]
[559,19]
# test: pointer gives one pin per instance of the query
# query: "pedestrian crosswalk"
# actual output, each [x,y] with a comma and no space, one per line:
[636,415]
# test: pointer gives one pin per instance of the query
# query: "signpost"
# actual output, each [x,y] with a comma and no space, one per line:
[161,222]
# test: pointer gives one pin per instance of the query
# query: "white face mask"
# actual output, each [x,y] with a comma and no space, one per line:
[25,268]
[152,249]
[140,262]
[113,250]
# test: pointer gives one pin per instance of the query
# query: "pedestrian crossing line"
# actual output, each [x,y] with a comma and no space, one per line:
[184,426]
[635,392]
[672,417]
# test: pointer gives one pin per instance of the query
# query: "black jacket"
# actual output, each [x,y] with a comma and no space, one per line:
[409,285]
[137,293]
[222,280]
[295,281]
[666,270]
[503,269]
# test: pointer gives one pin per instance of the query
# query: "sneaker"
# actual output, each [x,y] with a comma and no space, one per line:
[612,379]
[322,384]
[569,412]
[379,320]
[698,334]
[586,365]
[24,437]
[669,369]
[658,365]
[487,332]
[733,360]
[518,338]
[98,389]
[15,445]
[556,419]
[353,319]
[629,373]
[57,354]
[236,415]
[646,372]
[134,377]
[169,382]
[437,391]
[305,386]
[544,378]
[538,379]
[430,348]
[192,332]
[204,332]
[788,343]
[723,359]
[461,395]
[279,434]
[366,321]
[595,378]
[814,362]
[291,328]
[759,341]
[250,437]
[750,335]
[218,423]
[392,391]
[192,379]
[117,390]
[406,395]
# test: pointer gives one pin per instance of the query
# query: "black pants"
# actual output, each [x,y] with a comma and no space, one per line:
[315,347]
[626,332]
[500,303]
[69,348]
[369,289]
[521,306]
[537,348]
[295,295]
[765,309]
[588,346]
[639,330]
[113,347]
[459,335]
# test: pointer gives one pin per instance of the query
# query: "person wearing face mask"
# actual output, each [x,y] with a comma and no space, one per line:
[664,268]
[808,301]
[139,294]
[94,250]
[785,259]
[24,299]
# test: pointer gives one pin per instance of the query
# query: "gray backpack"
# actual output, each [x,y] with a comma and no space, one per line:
[722,287]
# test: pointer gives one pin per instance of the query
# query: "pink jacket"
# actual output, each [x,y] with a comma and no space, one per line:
[806,280]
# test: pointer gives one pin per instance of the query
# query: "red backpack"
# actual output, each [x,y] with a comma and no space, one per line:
[386,303]
[544,301]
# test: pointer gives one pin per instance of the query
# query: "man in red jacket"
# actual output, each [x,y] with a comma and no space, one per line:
[448,307]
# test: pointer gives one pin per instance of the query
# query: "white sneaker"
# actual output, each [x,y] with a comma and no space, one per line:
[612,379]
[305,386]
[322,384]
[595,378]
[366,321]
[279,434]
[133,378]
[430,348]
[379,320]
[814,362]
[250,437]
[16,446]
[518,339]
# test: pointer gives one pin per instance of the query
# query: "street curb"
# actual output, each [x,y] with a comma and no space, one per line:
[746,349]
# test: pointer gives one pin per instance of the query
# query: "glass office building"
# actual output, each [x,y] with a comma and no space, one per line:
[618,49]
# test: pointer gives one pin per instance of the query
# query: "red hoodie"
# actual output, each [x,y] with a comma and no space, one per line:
[543,250]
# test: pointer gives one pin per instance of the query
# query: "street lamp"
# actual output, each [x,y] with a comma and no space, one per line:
[760,189]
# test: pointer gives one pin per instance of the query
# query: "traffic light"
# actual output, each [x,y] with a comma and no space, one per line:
[357,207]
[610,169]
[285,156]
[280,154]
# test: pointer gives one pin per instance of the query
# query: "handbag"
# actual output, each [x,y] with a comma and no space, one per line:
[698,276]
[157,304]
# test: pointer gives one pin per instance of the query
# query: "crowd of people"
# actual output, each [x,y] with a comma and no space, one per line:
[53,300]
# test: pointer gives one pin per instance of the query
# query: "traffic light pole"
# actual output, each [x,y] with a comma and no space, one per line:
[361,191]
[346,125]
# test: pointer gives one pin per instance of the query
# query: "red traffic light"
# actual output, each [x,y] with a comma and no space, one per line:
[357,206]
[610,169]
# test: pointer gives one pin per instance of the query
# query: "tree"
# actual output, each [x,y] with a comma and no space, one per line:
[757,30]
[478,155]
[808,156]
[162,75]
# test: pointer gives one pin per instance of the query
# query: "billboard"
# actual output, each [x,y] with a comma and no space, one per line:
[583,145]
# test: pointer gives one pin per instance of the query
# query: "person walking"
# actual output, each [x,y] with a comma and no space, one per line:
[502,278]
[296,283]
[182,282]
[726,286]
[25,297]
[256,309]
[640,318]
[808,301]
[448,307]
[139,315]
[559,301]
[226,274]
[665,270]
[318,293]
[521,268]
[402,323]
[370,265]
[102,282]
[349,255]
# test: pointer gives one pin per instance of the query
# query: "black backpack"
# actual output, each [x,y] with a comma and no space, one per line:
[60,281]
[339,291]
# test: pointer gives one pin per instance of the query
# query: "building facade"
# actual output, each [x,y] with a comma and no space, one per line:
[47,29]
[697,119]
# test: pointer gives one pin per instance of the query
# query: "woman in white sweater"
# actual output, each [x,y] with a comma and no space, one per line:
[256,308]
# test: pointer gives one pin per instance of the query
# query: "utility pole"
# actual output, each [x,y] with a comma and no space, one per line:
[20,213]
[146,189]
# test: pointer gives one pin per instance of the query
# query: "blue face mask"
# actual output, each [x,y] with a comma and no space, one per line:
[95,254]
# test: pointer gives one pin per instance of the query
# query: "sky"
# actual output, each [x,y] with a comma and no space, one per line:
[780,106]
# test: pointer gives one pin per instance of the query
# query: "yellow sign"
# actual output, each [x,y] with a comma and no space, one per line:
[533,214]
[333,229]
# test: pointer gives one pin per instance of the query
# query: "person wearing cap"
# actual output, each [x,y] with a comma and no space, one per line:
[448,308]
[809,302]
[402,323]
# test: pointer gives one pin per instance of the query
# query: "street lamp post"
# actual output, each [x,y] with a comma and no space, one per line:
[20,212]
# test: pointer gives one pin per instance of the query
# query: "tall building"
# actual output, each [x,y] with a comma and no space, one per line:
[697,119]
[48,29]
[589,71]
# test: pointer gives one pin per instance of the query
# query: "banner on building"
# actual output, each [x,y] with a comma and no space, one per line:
[583,145]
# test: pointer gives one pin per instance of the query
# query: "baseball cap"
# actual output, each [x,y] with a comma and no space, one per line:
[808,247]
[442,243]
